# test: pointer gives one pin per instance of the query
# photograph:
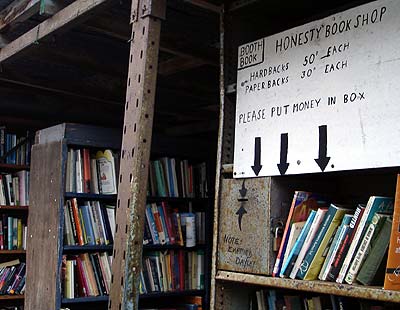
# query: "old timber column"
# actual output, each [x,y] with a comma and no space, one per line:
[146,16]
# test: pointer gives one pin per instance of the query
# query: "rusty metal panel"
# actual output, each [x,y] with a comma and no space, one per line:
[135,155]
[43,284]
[244,226]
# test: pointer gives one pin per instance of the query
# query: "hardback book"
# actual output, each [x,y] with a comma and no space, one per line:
[162,189]
[87,224]
[106,172]
[375,204]
[314,259]
[307,242]
[362,252]
[368,274]
[302,204]
[343,248]
[392,280]
[334,247]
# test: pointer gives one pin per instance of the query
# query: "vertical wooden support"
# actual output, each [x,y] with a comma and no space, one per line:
[45,231]
[146,16]
[213,293]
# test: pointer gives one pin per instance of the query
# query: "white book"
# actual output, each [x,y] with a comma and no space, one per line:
[295,231]
[9,189]
[22,187]
[100,220]
[307,242]
[78,171]
[2,194]
[106,172]
[94,223]
[111,218]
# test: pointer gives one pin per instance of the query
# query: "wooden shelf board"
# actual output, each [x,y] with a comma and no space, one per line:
[84,300]
[86,248]
[12,252]
[160,247]
[90,196]
[14,208]
[176,199]
[13,168]
[11,297]
[171,294]
[323,287]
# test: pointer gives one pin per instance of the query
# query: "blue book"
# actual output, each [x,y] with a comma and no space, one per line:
[10,233]
[88,225]
[152,225]
[171,178]
[291,260]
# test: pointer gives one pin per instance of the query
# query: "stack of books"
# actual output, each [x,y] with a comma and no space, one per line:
[19,155]
[89,223]
[171,177]
[165,225]
[336,243]
[172,271]
[12,277]
[91,172]
[13,232]
[14,189]
[86,275]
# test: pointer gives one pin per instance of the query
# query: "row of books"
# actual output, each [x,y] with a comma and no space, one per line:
[335,243]
[12,277]
[13,232]
[280,300]
[172,177]
[89,223]
[165,225]
[89,172]
[172,271]
[8,141]
[14,189]
[86,275]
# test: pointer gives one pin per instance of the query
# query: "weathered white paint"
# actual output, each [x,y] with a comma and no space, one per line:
[360,134]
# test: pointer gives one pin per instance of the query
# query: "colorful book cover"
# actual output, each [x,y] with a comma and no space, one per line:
[375,204]
[314,258]
[87,223]
[302,204]
[292,257]
[347,239]
[392,279]
[307,242]
[335,245]
[295,231]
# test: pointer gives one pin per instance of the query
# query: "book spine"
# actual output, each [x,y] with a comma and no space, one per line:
[75,211]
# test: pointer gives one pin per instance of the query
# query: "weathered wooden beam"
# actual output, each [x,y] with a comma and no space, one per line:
[68,16]
[18,11]
[205,5]
[178,64]
[193,128]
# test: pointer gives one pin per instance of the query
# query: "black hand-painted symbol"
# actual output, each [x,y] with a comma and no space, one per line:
[257,156]
[240,214]
[283,165]
[322,159]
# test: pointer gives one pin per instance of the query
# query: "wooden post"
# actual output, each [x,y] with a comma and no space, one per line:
[146,16]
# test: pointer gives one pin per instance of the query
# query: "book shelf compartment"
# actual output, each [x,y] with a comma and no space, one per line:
[89,196]
[70,249]
[161,247]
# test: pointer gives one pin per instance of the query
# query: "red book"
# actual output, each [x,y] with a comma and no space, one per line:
[86,171]
[75,211]
[168,222]
[83,288]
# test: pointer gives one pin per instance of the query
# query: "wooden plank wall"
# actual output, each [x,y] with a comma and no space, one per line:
[46,183]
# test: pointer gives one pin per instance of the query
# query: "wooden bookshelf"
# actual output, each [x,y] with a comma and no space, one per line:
[161,247]
[322,287]
[172,294]
[90,196]
[14,208]
[12,252]
[12,167]
[86,248]
[11,297]
[80,300]
[177,199]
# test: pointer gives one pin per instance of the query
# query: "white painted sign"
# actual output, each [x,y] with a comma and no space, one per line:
[324,96]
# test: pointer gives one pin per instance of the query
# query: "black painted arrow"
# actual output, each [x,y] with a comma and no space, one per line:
[257,156]
[283,165]
[322,159]
[243,190]
[240,213]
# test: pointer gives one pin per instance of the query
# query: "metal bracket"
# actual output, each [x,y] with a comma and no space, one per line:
[153,8]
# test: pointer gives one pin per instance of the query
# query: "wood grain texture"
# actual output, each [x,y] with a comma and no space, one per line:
[43,242]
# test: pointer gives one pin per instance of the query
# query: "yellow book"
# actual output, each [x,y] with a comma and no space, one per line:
[19,234]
